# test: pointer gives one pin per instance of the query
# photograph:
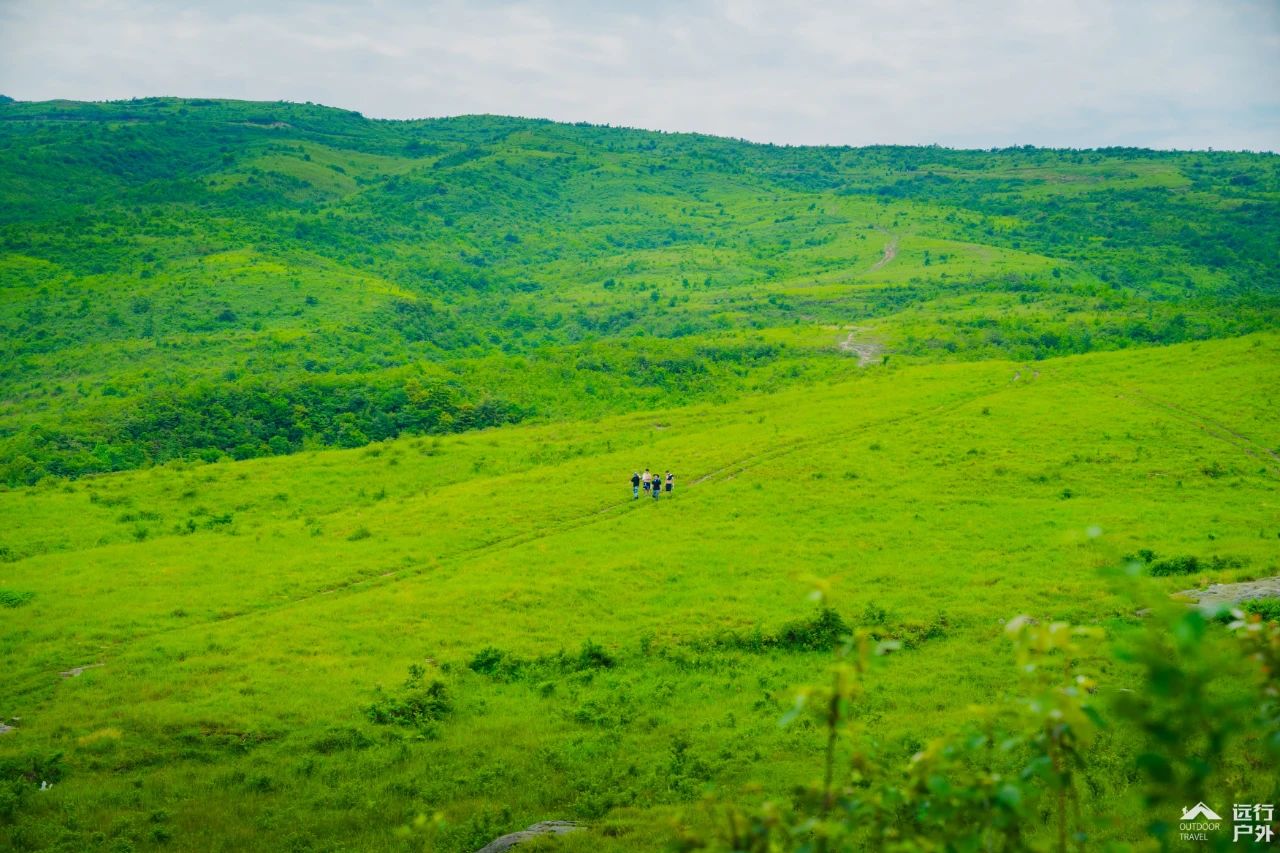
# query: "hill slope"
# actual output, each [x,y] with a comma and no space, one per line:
[245,628]
[196,278]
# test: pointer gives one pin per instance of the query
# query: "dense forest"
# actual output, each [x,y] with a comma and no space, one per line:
[218,279]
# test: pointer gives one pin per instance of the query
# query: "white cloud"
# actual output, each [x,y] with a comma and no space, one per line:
[1073,72]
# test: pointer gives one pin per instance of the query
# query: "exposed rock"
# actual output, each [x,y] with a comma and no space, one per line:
[1221,595]
[546,827]
[77,670]
[4,730]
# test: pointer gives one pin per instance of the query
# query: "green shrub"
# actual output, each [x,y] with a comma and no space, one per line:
[1267,608]
[593,656]
[1174,566]
[504,666]
[419,706]
[1017,780]
[1191,565]
[496,663]
[912,634]
[13,598]
[821,632]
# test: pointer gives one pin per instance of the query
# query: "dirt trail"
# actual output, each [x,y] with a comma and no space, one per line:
[1214,429]
[890,251]
[868,352]
[359,584]
[733,469]
[1228,593]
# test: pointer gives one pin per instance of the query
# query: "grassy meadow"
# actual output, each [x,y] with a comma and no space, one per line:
[238,621]
[316,531]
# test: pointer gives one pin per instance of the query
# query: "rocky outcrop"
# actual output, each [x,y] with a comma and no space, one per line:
[546,827]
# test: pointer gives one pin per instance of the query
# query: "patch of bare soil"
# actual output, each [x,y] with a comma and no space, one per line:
[868,352]
[890,252]
[78,670]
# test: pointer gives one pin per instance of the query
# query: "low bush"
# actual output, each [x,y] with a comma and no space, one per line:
[1185,565]
[827,629]
[14,598]
[420,706]
[821,632]
[1266,608]
[504,666]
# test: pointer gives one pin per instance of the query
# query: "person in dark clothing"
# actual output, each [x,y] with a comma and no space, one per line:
[657,485]
[671,481]
[635,484]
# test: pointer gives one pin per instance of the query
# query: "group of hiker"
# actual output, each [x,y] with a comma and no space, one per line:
[651,483]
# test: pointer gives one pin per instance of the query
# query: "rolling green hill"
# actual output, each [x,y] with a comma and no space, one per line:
[316,529]
[193,278]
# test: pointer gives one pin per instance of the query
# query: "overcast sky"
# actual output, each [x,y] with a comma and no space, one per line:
[1160,73]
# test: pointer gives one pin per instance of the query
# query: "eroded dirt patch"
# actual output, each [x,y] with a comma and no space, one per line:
[868,352]
[890,254]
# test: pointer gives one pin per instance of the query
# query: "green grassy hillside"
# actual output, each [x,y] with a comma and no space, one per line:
[217,279]
[247,629]
[316,529]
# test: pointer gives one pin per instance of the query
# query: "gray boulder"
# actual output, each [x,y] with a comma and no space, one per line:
[546,827]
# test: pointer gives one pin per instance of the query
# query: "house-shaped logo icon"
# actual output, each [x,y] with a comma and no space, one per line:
[1200,812]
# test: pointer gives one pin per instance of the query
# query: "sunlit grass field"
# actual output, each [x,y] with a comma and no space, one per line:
[236,622]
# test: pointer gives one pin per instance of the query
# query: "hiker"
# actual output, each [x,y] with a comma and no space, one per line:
[648,480]
[635,484]
[657,485]
[671,482]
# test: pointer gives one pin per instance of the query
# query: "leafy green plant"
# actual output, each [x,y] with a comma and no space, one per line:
[419,705]
[1266,609]
[1187,565]
[988,789]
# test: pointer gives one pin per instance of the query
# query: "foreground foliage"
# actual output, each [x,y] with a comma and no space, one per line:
[1197,715]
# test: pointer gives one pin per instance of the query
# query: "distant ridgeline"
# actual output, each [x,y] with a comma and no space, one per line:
[209,279]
